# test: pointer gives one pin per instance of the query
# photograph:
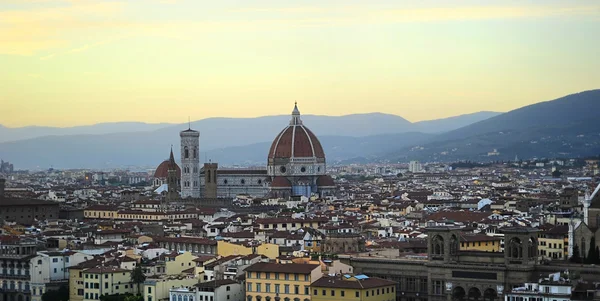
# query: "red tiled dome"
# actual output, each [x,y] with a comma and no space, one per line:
[325,181]
[162,171]
[296,140]
[280,182]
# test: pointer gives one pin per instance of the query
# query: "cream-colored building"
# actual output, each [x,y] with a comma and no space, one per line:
[157,288]
[227,249]
[101,280]
[266,281]
[176,264]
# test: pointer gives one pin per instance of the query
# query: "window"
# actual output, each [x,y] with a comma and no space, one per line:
[277,276]
[332,293]
[249,287]
[343,293]
[296,289]
[296,277]
[258,287]
[257,275]
[315,292]
[324,293]
[267,288]
[438,287]
[268,275]
[149,290]
[306,290]
[277,288]
[287,277]
[229,288]
[357,294]
[286,289]
[305,277]
[54,259]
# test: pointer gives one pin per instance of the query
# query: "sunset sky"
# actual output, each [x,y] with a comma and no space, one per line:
[65,63]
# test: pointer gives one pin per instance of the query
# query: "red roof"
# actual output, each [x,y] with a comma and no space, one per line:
[162,171]
[325,181]
[296,140]
[280,182]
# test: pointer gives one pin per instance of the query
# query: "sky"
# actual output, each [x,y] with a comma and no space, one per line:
[76,62]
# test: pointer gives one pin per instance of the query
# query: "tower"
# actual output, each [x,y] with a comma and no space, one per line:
[173,186]
[210,180]
[520,246]
[190,163]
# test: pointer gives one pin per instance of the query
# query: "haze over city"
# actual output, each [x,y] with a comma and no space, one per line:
[67,63]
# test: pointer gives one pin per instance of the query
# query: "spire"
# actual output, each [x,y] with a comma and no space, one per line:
[189,124]
[172,164]
[296,115]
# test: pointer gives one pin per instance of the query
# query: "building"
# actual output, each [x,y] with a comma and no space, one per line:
[162,172]
[157,287]
[106,280]
[266,281]
[25,211]
[15,274]
[209,291]
[414,166]
[347,287]
[545,290]
[296,162]
[50,270]
[554,243]
[190,163]
[217,182]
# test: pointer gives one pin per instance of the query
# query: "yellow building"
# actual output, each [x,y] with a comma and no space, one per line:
[101,280]
[480,242]
[360,287]
[227,249]
[554,243]
[157,288]
[100,212]
[176,264]
[265,281]
[76,287]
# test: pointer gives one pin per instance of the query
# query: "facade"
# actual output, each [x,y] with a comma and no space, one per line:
[347,287]
[543,291]
[582,232]
[25,211]
[15,274]
[101,281]
[266,281]
[296,163]
[157,288]
[209,291]
[228,183]
[190,163]
[50,270]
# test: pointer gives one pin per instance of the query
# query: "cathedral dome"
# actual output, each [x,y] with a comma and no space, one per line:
[296,141]
[162,171]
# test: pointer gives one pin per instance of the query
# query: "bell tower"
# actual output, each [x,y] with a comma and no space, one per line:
[443,243]
[190,163]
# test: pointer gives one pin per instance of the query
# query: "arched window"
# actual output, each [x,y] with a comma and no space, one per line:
[185,298]
[208,178]
[186,152]
[179,298]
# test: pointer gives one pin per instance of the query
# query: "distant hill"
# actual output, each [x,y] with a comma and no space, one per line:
[227,140]
[29,132]
[564,127]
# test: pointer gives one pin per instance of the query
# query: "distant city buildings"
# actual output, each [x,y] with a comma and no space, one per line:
[6,167]
[415,166]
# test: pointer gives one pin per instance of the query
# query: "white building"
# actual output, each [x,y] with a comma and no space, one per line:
[52,268]
[215,290]
[190,163]
[415,166]
[543,291]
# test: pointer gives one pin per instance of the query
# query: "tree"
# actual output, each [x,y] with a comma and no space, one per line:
[576,258]
[138,277]
[62,294]
[556,173]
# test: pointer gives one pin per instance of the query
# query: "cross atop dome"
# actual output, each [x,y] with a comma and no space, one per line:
[296,115]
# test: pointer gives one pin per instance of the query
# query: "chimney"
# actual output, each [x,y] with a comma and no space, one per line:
[2,181]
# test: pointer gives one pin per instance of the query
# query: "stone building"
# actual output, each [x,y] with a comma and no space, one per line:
[447,273]
[582,232]
[190,163]
[25,211]
[296,163]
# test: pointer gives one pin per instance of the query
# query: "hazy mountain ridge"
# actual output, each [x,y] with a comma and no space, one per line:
[147,148]
[564,127]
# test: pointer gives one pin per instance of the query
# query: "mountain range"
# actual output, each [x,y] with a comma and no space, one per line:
[225,140]
[564,127]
